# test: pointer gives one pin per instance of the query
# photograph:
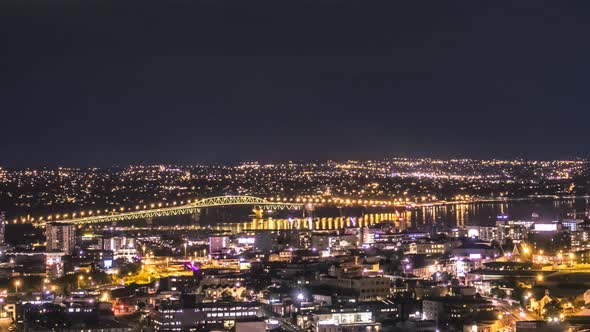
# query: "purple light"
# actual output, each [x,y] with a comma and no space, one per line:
[192,266]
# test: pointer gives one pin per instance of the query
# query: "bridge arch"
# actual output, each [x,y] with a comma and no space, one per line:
[229,200]
[190,208]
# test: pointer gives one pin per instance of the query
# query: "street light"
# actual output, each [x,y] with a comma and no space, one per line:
[16,284]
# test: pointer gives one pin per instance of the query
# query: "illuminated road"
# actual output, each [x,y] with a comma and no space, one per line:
[5,325]
[283,323]
[511,314]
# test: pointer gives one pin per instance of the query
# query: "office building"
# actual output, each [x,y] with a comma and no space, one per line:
[61,237]
[201,316]
[455,308]
[338,321]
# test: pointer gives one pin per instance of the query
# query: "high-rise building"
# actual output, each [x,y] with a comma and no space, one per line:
[61,237]
[116,243]
[265,240]
[2,227]
[54,266]
[121,246]
[217,243]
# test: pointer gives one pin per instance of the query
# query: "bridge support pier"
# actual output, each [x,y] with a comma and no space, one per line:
[196,217]
[258,212]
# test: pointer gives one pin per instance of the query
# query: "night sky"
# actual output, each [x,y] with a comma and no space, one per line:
[99,83]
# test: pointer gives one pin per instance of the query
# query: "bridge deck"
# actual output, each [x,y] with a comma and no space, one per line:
[191,208]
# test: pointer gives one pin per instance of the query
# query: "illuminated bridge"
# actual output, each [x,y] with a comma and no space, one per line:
[189,208]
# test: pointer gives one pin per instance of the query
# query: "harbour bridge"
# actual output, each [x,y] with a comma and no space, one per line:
[189,208]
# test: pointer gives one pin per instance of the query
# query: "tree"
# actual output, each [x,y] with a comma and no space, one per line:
[444,277]
[100,278]
[226,296]
[246,294]
[517,293]
[498,293]
[140,305]
[552,309]
[126,267]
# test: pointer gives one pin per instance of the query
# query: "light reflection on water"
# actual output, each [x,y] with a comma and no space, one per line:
[424,218]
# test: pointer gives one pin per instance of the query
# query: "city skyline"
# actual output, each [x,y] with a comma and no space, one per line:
[294,166]
[37,194]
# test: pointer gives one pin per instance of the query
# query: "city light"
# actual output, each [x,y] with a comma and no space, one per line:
[363,232]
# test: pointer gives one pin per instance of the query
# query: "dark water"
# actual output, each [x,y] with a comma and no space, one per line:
[440,217]
[422,218]
[486,213]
